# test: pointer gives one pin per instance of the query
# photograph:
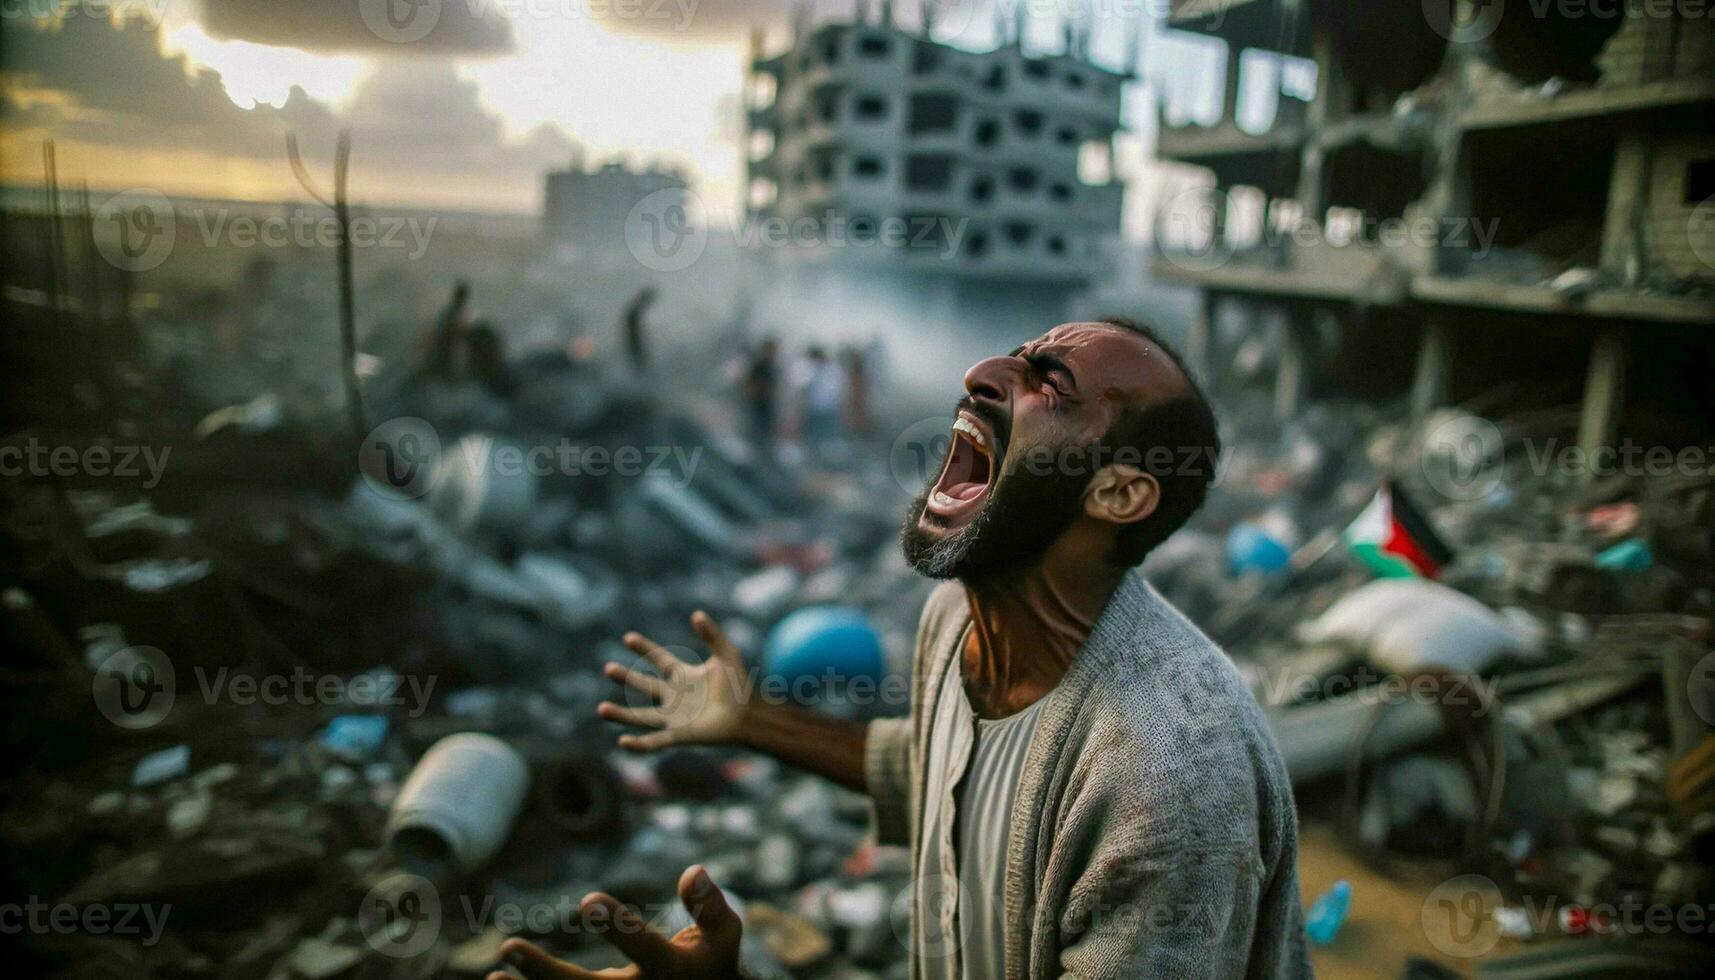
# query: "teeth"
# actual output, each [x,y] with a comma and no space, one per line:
[962,424]
[942,500]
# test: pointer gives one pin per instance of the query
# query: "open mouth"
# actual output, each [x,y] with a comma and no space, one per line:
[968,474]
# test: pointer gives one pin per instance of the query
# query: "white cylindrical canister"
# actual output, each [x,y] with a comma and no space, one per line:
[458,805]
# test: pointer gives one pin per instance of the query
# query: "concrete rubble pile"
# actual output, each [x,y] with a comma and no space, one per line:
[315,835]
[1541,709]
[323,636]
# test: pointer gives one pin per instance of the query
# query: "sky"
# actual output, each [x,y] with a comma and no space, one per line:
[457,103]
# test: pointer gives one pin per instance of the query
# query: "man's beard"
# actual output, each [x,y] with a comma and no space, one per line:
[1024,514]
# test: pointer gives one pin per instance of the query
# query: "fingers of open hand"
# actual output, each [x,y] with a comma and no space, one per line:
[658,656]
[641,717]
[535,963]
[624,928]
[652,742]
[708,906]
[712,635]
[645,684]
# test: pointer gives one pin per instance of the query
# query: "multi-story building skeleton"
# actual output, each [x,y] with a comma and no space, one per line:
[993,168]
[1497,188]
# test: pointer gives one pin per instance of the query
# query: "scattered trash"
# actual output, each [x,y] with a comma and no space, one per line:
[766,593]
[355,737]
[159,767]
[1328,913]
[1561,744]
[1411,625]
[794,940]
[1631,555]
[1252,549]
[434,828]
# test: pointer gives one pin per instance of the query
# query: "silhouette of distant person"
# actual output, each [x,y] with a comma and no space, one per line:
[633,331]
[760,389]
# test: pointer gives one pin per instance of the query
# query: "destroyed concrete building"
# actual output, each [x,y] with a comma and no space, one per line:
[1512,193]
[996,165]
[588,208]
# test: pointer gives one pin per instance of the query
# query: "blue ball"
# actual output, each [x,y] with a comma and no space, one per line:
[822,642]
[1251,549]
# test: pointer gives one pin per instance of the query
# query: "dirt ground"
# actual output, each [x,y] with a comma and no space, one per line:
[1384,927]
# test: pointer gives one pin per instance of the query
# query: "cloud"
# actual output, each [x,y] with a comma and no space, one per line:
[689,20]
[967,23]
[422,119]
[86,78]
[470,27]
[419,131]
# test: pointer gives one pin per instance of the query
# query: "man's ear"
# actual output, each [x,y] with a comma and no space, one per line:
[1121,494]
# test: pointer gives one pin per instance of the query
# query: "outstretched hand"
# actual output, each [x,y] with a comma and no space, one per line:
[705,950]
[692,704]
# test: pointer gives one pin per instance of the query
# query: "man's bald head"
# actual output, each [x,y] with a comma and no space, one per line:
[1147,366]
[1171,427]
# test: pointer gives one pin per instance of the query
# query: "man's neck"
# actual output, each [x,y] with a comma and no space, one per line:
[1026,631]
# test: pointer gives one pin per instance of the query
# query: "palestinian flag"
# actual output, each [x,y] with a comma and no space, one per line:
[1394,538]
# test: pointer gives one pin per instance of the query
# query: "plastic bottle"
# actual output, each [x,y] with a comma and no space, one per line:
[458,805]
[1328,912]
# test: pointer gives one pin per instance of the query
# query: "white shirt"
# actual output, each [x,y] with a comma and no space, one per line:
[959,894]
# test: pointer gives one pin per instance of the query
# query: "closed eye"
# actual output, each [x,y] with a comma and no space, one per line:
[1053,370]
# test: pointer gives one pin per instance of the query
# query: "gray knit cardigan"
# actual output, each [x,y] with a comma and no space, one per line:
[1153,834]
